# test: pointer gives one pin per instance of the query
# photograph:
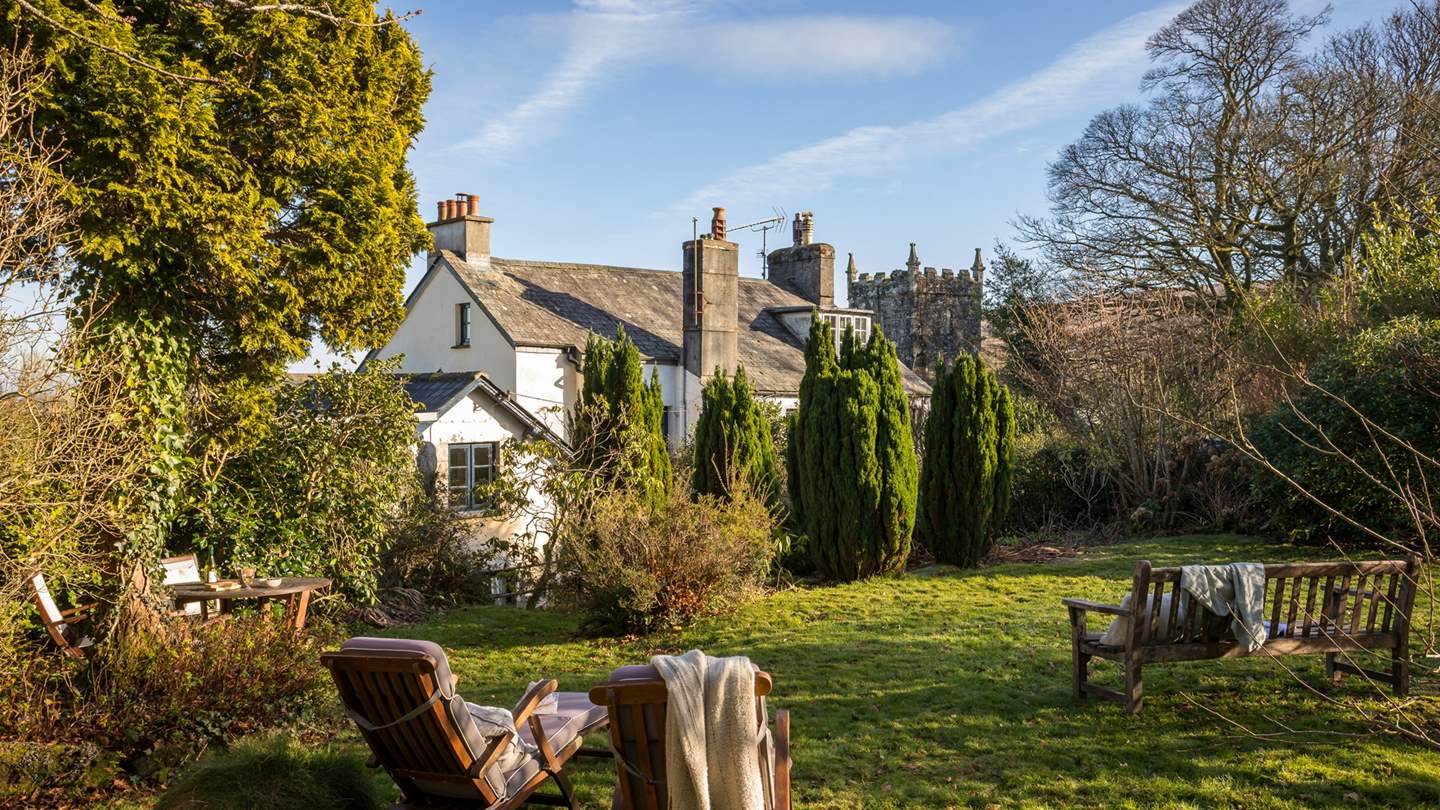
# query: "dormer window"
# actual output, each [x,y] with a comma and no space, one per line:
[840,322]
[462,325]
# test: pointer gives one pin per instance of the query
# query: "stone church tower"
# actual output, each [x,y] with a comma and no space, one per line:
[929,315]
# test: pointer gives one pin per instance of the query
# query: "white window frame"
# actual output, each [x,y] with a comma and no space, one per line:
[468,467]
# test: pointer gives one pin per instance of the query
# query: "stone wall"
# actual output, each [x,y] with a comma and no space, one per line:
[929,314]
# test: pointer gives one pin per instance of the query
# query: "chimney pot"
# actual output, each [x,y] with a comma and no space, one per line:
[717,223]
[439,210]
[472,205]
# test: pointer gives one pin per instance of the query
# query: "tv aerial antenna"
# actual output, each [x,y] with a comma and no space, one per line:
[764,226]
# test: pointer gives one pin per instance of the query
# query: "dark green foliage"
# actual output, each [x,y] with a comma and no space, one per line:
[969,450]
[853,474]
[317,495]
[733,441]
[273,772]
[259,201]
[1388,375]
[618,424]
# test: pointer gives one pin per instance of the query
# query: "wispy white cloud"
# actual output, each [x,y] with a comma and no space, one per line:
[605,36]
[821,45]
[1115,54]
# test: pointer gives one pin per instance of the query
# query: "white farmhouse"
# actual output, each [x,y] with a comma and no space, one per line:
[492,347]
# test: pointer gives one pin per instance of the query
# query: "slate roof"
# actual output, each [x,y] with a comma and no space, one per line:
[432,392]
[437,392]
[557,304]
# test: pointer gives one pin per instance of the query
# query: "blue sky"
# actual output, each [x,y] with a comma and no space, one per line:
[593,130]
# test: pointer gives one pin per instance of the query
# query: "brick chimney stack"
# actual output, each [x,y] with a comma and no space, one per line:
[459,229]
[806,268]
[710,286]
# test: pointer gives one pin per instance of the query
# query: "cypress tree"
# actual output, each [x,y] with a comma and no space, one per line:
[732,439]
[853,461]
[618,424]
[969,449]
[895,453]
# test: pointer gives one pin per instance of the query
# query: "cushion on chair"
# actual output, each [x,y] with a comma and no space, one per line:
[574,716]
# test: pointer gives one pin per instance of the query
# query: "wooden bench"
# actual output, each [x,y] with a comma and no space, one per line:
[1328,607]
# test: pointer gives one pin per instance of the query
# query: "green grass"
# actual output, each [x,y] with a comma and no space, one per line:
[952,689]
[272,772]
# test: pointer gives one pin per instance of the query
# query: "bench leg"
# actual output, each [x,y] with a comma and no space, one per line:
[1134,686]
[1331,674]
[1079,661]
[1081,673]
[1400,671]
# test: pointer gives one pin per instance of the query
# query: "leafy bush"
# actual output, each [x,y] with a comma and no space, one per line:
[317,495]
[271,772]
[157,698]
[1056,483]
[640,569]
[1357,439]
[429,550]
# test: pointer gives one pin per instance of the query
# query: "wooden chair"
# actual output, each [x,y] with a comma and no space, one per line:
[1333,608]
[401,694]
[182,570]
[63,625]
[636,700]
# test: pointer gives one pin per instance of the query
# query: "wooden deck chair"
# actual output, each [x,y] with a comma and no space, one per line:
[401,695]
[182,570]
[636,700]
[63,625]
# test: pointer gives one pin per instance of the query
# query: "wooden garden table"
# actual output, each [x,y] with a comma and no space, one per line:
[295,590]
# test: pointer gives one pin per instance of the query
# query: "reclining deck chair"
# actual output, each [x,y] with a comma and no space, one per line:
[63,625]
[635,698]
[401,694]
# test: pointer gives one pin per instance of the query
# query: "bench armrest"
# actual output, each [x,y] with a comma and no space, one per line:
[80,611]
[1097,607]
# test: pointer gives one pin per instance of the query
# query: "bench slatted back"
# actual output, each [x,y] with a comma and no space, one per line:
[1302,600]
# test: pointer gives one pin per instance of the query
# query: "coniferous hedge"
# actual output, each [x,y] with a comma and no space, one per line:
[733,441]
[618,424]
[969,453]
[853,470]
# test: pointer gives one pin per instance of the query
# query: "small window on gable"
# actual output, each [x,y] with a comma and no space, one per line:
[462,324]
[470,465]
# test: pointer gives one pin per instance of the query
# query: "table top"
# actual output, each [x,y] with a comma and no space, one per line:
[200,592]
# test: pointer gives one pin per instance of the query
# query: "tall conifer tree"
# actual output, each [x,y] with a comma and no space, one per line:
[618,425]
[732,440]
[969,450]
[853,460]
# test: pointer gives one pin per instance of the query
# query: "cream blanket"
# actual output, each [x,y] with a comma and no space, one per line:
[711,732]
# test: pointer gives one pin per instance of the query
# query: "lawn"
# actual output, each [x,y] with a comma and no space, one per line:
[952,688]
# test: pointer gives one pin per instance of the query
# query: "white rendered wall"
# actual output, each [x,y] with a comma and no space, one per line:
[427,335]
[475,419]
[545,384]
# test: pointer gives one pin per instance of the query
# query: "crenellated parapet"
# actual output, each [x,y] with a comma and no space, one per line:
[929,313]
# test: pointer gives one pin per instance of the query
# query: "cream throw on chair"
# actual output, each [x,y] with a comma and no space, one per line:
[710,759]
